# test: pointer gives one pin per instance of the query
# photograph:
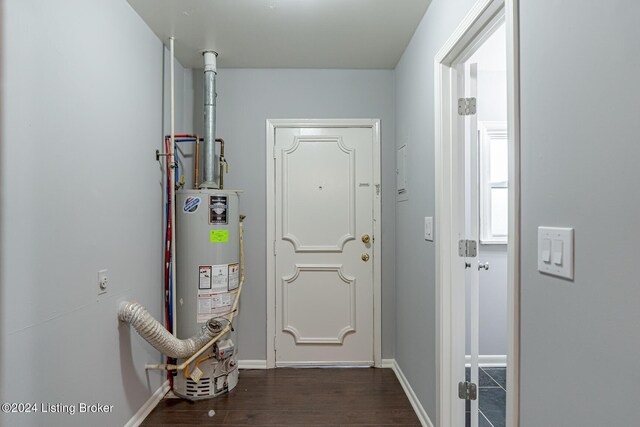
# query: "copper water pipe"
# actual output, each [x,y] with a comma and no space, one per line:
[222,161]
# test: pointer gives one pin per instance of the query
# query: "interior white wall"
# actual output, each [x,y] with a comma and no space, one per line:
[415,257]
[492,94]
[81,117]
[492,85]
[579,92]
[246,99]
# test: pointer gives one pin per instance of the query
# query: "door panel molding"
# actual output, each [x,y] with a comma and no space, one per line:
[271,126]
[350,304]
[299,244]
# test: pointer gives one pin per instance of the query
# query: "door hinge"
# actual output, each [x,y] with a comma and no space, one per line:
[467,390]
[468,248]
[275,342]
[466,106]
[377,189]
[275,251]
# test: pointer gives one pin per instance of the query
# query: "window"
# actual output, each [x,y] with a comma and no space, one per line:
[494,185]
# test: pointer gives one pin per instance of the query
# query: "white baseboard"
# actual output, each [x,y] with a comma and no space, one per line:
[322,364]
[252,364]
[489,360]
[148,406]
[411,395]
[388,363]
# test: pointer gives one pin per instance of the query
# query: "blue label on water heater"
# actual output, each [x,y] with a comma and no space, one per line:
[191,204]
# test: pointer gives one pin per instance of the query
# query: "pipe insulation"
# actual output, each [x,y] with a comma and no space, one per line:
[162,340]
[210,161]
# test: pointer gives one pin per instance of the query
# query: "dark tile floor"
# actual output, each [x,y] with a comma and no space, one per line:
[492,395]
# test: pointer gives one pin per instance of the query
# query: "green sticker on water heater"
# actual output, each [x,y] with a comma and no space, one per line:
[219,236]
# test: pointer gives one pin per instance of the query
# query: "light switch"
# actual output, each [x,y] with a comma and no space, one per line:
[428,228]
[555,251]
[401,174]
[546,250]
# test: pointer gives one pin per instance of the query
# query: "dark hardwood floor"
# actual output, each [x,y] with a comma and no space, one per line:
[298,397]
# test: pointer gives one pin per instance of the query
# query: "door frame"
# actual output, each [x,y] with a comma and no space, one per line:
[472,31]
[272,125]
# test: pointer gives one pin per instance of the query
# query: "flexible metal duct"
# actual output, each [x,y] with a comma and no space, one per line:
[210,161]
[162,340]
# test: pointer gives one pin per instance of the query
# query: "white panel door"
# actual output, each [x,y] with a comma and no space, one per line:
[324,261]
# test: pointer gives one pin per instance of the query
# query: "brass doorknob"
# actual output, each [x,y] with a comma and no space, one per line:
[365,238]
[365,257]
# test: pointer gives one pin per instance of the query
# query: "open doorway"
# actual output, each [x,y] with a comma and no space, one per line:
[486,211]
[477,187]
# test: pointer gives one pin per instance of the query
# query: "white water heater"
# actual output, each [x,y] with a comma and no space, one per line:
[203,264]
[208,278]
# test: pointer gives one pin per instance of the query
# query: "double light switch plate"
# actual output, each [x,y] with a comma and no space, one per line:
[555,251]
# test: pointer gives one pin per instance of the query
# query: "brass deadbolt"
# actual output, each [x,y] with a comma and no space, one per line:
[365,257]
[365,238]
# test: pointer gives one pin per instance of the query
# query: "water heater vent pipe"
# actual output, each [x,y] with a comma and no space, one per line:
[162,340]
[210,161]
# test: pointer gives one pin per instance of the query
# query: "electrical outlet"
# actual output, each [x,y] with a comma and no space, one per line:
[103,281]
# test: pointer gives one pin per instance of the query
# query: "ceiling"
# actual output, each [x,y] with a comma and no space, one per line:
[286,33]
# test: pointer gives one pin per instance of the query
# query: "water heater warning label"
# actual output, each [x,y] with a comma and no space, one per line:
[220,278]
[205,277]
[218,209]
[211,305]
[234,276]
[214,286]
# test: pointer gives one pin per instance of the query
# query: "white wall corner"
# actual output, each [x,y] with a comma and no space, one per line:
[148,406]
[411,395]
[252,364]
